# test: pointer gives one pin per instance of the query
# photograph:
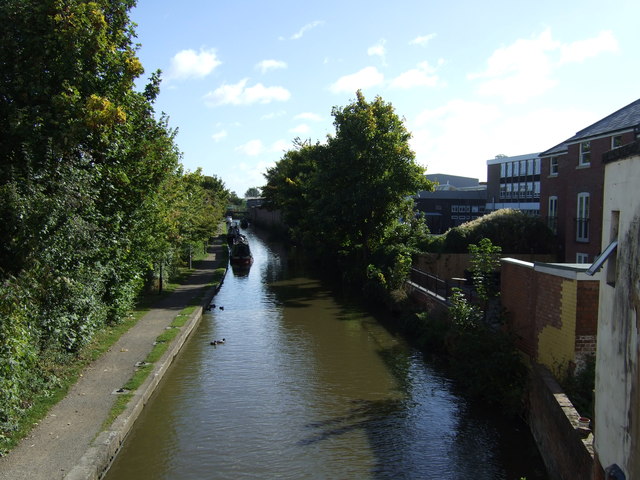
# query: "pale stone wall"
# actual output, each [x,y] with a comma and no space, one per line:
[618,351]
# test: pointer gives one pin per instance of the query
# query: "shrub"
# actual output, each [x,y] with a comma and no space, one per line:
[513,230]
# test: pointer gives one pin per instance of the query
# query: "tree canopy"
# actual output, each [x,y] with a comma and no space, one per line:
[346,199]
[92,194]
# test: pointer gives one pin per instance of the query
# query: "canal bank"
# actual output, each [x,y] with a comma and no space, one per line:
[310,385]
[69,441]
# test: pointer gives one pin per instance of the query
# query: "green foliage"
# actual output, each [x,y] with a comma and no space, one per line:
[484,264]
[91,193]
[580,386]
[344,201]
[464,315]
[252,192]
[512,230]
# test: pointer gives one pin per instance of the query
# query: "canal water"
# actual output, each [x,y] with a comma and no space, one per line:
[308,386]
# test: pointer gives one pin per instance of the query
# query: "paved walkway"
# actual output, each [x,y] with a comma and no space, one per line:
[58,443]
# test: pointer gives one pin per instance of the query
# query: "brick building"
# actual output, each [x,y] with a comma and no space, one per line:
[514,182]
[571,182]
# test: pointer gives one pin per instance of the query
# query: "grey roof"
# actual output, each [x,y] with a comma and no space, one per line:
[455,180]
[623,119]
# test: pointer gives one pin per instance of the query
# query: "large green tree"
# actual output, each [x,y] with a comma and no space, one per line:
[366,177]
[291,188]
[348,199]
[82,157]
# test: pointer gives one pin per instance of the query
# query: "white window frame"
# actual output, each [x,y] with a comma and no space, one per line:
[582,217]
[552,213]
[616,141]
[553,167]
[585,154]
[582,258]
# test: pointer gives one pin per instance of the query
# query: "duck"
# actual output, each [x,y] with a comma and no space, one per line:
[221,308]
[218,342]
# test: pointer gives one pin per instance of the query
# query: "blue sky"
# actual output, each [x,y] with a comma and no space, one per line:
[243,78]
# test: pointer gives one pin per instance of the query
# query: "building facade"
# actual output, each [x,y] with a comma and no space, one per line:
[571,182]
[617,406]
[514,182]
[445,209]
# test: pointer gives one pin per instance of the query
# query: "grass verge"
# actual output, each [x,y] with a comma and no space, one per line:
[163,341]
[69,369]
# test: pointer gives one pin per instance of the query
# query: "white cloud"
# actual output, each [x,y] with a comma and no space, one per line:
[252,148]
[219,135]
[302,129]
[365,78]
[280,146]
[526,68]
[240,94]
[265,65]
[487,131]
[298,35]
[521,70]
[423,40]
[422,76]
[378,50]
[191,64]
[308,116]
[256,147]
[582,49]
[272,115]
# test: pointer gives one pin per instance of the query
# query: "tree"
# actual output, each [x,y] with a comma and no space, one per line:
[82,156]
[367,175]
[291,188]
[252,192]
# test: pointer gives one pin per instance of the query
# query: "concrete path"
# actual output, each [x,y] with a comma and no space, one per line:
[67,436]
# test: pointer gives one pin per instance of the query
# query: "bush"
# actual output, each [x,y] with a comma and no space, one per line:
[512,230]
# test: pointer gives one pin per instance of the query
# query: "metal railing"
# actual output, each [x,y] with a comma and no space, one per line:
[432,283]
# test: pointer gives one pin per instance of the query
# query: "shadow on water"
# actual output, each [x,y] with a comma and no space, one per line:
[310,384]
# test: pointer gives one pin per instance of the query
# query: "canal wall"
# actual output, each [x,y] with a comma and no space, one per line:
[96,461]
[566,449]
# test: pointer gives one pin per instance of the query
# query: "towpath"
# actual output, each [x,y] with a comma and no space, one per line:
[61,440]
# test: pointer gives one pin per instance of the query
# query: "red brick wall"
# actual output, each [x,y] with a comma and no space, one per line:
[586,320]
[518,297]
[532,300]
[570,181]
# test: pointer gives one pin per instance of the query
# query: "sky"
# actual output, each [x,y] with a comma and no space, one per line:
[471,79]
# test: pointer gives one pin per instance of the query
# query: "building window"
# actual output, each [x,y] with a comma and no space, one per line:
[553,166]
[582,218]
[516,169]
[536,166]
[509,169]
[503,170]
[552,218]
[582,258]
[536,189]
[585,153]
[616,141]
